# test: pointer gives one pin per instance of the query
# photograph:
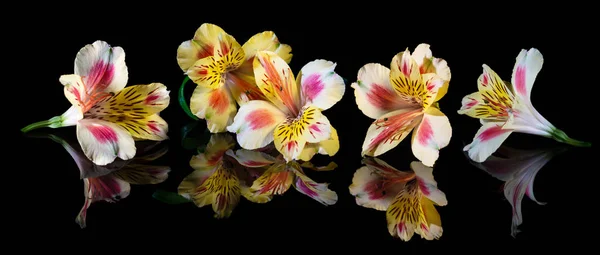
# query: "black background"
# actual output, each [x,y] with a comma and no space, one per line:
[477,218]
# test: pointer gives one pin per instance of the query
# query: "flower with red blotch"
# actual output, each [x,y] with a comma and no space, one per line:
[505,107]
[402,99]
[107,114]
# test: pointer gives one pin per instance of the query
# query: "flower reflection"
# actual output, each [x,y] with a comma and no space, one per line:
[517,168]
[222,175]
[408,197]
[112,182]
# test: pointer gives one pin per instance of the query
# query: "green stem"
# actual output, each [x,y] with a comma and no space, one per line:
[562,137]
[182,101]
[42,124]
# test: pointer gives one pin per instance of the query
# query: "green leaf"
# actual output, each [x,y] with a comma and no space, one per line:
[182,102]
[192,139]
[168,197]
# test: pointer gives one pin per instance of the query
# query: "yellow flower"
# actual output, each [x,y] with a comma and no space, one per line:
[404,99]
[222,70]
[107,114]
[292,114]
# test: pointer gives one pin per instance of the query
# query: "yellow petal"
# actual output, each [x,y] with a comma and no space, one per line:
[206,39]
[429,64]
[292,135]
[212,71]
[215,105]
[329,147]
[494,100]
[405,214]
[267,41]
[213,153]
[275,79]
[134,101]
[410,84]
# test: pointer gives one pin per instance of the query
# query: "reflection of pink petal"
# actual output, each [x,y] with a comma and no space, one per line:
[302,186]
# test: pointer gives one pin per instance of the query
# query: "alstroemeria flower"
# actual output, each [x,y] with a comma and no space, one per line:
[291,117]
[407,197]
[504,108]
[280,175]
[517,168]
[222,69]
[109,115]
[219,180]
[404,99]
[112,182]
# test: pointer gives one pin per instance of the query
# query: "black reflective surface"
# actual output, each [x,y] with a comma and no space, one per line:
[477,211]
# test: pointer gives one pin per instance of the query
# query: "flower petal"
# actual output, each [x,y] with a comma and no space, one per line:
[317,191]
[487,140]
[103,188]
[78,94]
[405,214]
[431,135]
[493,101]
[291,136]
[247,176]
[102,68]
[432,227]
[215,105]
[103,141]
[207,38]
[390,129]
[320,85]
[221,189]
[376,184]
[242,85]
[134,101]
[213,153]
[428,64]
[410,85]
[192,181]
[212,71]
[329,147]
[427,185]
[266,41]
[254,124]
[250,158]
[275,181]
[374,94]
[142,174]
[528,65]
[275,79]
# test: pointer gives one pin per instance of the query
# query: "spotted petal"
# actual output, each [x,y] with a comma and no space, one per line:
[374,94]
[487,140]
[275,79]
[320,85]
[212,71]
[494,100]
[317,191]
[431,135]
[143,174]
[136,109]
[207,38]
[292,135]
[428,64]
[410,85]
[255,122]
[102,142]
[215,105]
[528,65]
[329,147]
[213,153]
[221,189]
[252,159]
[376,184]
[389,130]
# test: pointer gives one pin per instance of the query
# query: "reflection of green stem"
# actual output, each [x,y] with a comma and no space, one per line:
[182,101]
[53,122]
[560,136]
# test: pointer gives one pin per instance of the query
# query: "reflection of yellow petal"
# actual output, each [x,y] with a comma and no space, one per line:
[328,167]
[275,181]
[221,189]
[405,213]
[141,174]
[317,191]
